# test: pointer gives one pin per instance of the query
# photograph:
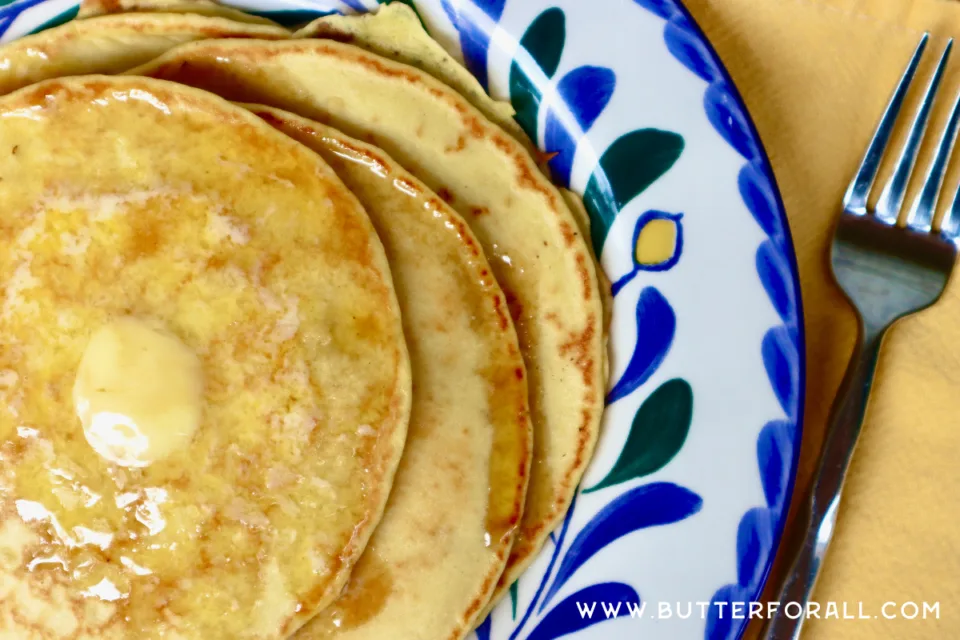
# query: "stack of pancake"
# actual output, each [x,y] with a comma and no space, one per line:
[297,338]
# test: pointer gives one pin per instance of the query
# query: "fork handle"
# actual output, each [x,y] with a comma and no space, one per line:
[820,515]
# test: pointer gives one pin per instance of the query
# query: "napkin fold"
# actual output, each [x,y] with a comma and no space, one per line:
[816,76]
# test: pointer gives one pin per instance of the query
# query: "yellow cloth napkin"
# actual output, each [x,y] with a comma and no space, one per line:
[816,75]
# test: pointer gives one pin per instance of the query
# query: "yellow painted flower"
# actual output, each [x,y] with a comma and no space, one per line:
[657,244]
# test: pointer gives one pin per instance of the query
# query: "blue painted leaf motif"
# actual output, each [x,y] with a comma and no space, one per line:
[558,140]
[649,505]
[721,627]
[653,250]
[483,629]
[451,12]
[631,164]
[729,121]
[775,277]
[689,49]
[773,443]
[755,548]
[543,40]
[585,91]
[558,546]
[781,360]
[513,599]
[474,40]
[656,325]
[754,537]
[658,432]
[755,190]
[566,617]
[13,10]
[662,8]
[356,5]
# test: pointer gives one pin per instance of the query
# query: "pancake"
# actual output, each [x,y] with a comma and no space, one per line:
[434,561]
[529,235]
[112,44]
[92,8]
[394,31]
[204,384]
[579,211]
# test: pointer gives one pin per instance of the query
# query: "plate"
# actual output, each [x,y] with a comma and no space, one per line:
[679,515]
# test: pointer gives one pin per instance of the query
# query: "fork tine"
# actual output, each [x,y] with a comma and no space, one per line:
[891,198]
[855,200]
[924,207]
[950,227]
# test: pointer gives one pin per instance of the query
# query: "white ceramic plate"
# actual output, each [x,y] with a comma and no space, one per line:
[682,508]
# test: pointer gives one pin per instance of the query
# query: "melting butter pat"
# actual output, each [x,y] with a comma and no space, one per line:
[138,393]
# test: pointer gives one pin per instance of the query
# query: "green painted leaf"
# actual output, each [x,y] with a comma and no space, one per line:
[628,166]
[513,599]
[525,99]
[543,40]
[59,19]
[657,435]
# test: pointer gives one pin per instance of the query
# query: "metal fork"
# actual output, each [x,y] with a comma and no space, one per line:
[887,272]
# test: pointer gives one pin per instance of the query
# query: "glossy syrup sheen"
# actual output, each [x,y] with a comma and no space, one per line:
[144,199]
[452,517]
[112,44]
[526,230]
